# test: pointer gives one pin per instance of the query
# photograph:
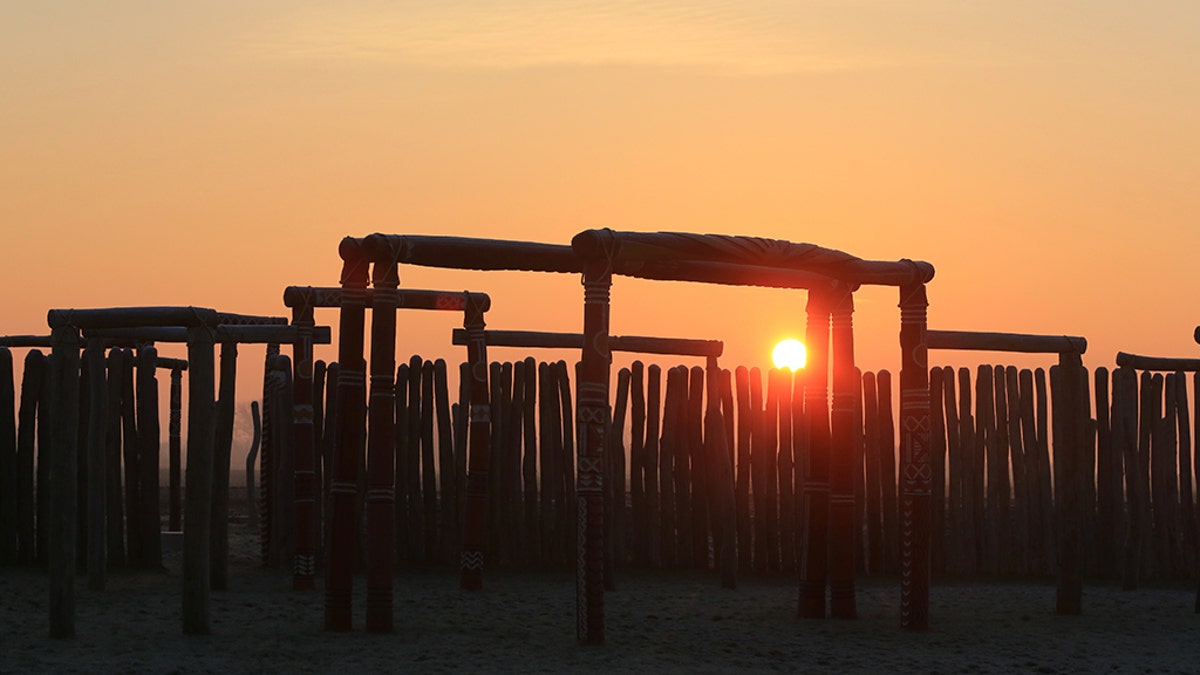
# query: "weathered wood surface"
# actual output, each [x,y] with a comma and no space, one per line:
[470,253]
[1005,342]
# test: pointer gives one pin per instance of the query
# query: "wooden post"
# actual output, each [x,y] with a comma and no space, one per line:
[743,464]
[1020,505]
[1001,508]
[350,428]
[758,471]
[175,451]
[770,463]
[148,463]
[593,418]
[130,453]
[842,452]
[45,461]
[615,539]
[251,455]
[381,444]
[305,397]
[698,502]
[222,453]
[475,518]
[33,389]
[887,474]
[916,471]
[1067,468]
[937,497]
[97,493]
[637,461]
[64,396]
[813,559]
[318,464]
[8,461]
[970,468]
[1106,498]
[874,482]
[570,433]
[548,436]
[666,466]
[654,542]
[786,475]
[954,467]
[529,465]
[199,479]
[720,478]
[447,488]
[987,474]
[267,461]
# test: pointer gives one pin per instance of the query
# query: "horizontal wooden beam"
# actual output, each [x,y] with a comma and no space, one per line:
[616,343]
[132,317]
[406,298]
[623,249]
[469,253]
[25,341]
[249,334]
[1004,342]
[723,273]
[167,363]
[1168,364]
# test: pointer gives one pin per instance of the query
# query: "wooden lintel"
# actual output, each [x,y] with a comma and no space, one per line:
[470,253]
[616,343]
[241,334]
[1004,342]
[1161,363]
[406,298]
[132,317]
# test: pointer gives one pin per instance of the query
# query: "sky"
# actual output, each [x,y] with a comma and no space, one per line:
[1043,156]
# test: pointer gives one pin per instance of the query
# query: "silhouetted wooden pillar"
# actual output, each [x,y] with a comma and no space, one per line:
[114,506]
[842,456]
[593,416]
[381,442]
[1068,467]
[304,445]
[814,552]
[222,452]
[8,461]
[199,480]
[97,494]
[479,450]
[175,452]
[350,421]
[34,385]
[64,401]
[129,453]
[148,464]
[916,466]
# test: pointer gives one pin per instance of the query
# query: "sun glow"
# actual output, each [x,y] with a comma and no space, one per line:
[789,354]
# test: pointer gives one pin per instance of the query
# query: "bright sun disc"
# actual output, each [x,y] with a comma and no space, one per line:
[789,354]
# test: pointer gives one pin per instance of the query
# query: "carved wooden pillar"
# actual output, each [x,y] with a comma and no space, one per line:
[199,481]
[266,460]
[814,552]
[916,467]
[479,455]
[593,420]
[381,442]
[350,421]
[64,402]
[843,437]
[174,451]
[305,568]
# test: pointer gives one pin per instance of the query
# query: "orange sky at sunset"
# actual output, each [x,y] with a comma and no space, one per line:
[1044,157]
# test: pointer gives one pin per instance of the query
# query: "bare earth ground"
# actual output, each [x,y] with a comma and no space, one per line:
[524,622]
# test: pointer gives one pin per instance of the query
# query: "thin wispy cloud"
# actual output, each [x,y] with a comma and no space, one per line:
[758,37]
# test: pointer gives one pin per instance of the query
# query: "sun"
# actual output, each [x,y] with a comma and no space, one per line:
[789,354]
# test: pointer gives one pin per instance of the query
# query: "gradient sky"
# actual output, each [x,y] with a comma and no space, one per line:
[1044,156]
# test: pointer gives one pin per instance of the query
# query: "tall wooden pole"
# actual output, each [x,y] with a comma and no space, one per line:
[593,417]
[350,394]
[33,389]
[64,401]
[97,447]
[175,452]
[304,443]
[815,496]
[199,481]
[381,442]
[222,452]
[842,456]
[1068,467]
[479,450]
[148,442]
[915,461]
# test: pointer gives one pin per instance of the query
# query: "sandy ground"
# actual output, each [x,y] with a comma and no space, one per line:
[524,622]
